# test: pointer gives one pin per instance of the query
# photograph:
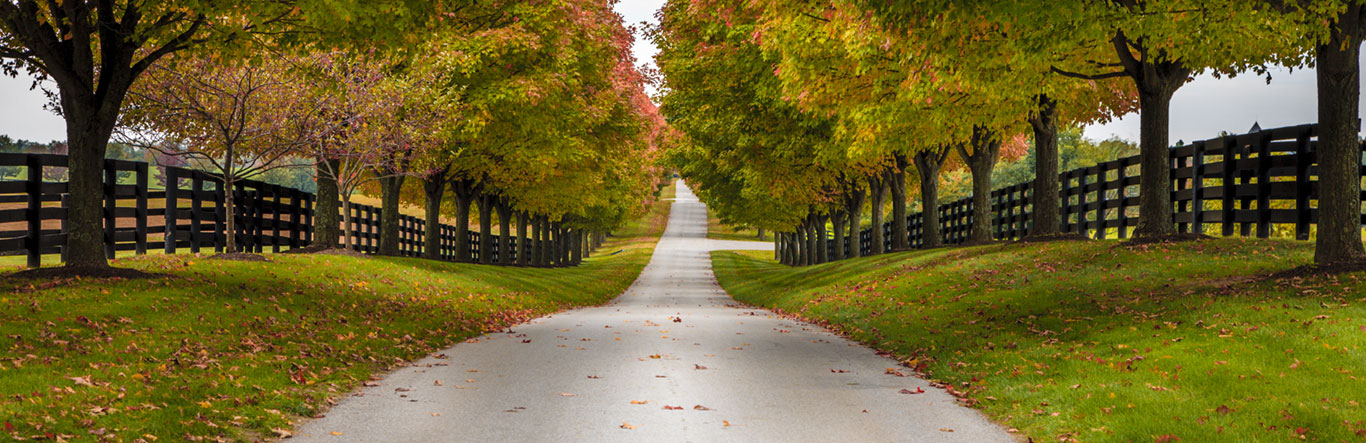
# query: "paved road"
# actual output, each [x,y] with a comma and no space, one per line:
[673,340]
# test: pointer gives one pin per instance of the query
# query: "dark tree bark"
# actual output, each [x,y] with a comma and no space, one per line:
[486,246]
[803,251]
[388,216]
[326,223]
[877,194]
[434,187]
[523,242]
[1339,151]
[986,149]
[465,191]
[853,208]
[504,230]
[1157,78]
[822,246]
[929,164]
[576,246]
[896,183]
[1045,200]
[837,221]
[537,242]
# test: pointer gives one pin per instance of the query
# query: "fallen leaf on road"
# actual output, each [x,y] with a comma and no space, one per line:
[335,433]
[369,384]
[401,389]
[639,402]
[893,371]
[566,394]
[437,383]
[436,414]
[737,348]
[725,423]
[625,425]
[593,376]
[700,408]
[282,433]
[945,430]
[656,356]
[469,380]
[917,390]
[838,371]
[673,408]
[698,367]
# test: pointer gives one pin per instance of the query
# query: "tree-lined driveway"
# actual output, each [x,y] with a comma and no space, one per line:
[672,359]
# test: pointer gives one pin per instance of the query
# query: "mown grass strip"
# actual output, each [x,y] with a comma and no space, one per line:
[1096,341]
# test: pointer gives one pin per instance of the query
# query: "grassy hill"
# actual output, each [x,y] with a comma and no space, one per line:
[1097,341]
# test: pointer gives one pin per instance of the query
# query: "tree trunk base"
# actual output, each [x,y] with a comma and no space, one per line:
[1049,238]
[1167,238]
[1317,270]
[80,272]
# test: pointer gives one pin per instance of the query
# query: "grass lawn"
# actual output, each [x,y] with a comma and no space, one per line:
[1095,341]
[236,350]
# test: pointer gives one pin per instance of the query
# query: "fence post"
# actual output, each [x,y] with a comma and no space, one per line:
[1198,188]
[196,205]
[1264,186]
[1082,219]
[34,187]
[308,218]
[1230,184]
[259,233]
[140,230]
[172,188]
[295,213]
[1304,159]
[1101,198]
[220,217]
[275,218]
[111,180]
[1065,216]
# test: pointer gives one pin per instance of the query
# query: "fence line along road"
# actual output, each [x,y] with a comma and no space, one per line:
[189,213]
[1249,184]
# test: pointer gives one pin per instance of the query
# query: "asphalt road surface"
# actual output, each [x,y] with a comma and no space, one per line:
[671,359]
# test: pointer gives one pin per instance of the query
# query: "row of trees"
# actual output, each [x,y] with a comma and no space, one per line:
[533,111]
[799,111]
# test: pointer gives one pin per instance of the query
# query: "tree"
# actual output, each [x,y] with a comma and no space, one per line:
[237,119]
[96,50]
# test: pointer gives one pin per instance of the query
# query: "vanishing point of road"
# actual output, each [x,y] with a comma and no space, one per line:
[671,359]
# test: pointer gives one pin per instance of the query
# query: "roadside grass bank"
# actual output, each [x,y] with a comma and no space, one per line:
[231,350]
[1096,341]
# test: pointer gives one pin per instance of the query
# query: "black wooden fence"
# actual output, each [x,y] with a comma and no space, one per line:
[189,213]
[1258,183]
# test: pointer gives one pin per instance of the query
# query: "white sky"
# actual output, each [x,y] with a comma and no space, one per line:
[1200,109]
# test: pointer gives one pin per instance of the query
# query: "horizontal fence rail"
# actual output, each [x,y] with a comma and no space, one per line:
[190,214]
[1262,183]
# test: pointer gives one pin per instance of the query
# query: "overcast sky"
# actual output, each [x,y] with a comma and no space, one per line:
[1200,109]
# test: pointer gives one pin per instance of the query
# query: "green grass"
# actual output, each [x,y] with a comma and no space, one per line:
[1096,341]
[233,350]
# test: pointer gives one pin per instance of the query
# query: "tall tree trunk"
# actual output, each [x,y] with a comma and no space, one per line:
[523,242]
[504,231]
[837,219]
[1047,205]
[229,212]
[576,246]
[90,120]
[326,227]
[822,245]
[896,183]
[388,215]
[853,208]
[537,242]
[761,234]
[803,252]
[986,149]
[877,195]
[465,191]
[1339,150]
[1157,78]
[433,186]
[929,164]
[486,246]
